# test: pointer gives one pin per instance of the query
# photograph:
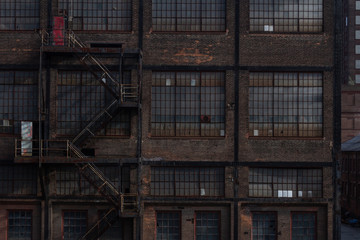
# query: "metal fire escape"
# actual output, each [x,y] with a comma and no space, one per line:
[123,205]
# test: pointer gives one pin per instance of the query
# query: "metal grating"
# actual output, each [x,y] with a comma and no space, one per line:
[80,97]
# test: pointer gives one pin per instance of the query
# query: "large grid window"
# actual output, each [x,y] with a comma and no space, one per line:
[19,14]
[168,225]
[70,182]
[80,97]
[74,224]
[19,226]
[303,226]
[167,181]
[285,104]
[188,104]
[285,182]
[207,226]
[18,180]
[18,99]
[264,226]
[286,16]
[184,15]
[99,15]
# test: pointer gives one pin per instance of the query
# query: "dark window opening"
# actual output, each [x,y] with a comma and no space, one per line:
[18,180]
[70,182]
[19,226]
[18,99]
[303,226]
[74,224]
[19,14]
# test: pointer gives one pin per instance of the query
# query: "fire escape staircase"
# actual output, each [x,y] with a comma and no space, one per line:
[124,205]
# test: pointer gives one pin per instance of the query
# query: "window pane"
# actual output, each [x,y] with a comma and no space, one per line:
[264,226]
[74,224]
[19,225]
[303,226]
[207,225]
[168,226]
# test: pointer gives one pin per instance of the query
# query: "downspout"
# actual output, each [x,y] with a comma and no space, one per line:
[336,150]
[139,123]
[236,118]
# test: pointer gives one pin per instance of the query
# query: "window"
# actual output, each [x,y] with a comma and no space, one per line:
[19,226]
[285,182]
[80,97]
[264,226]
[188,104]
[70,182]
[182,15]
[168,225]
[166,181]
[19,14]
[99,15]
[18,180]
[286,16]
[303,226]
[207,226]
[18,99]
[285,104]
[74,224]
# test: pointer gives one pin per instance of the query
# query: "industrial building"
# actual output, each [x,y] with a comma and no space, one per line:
[140,119]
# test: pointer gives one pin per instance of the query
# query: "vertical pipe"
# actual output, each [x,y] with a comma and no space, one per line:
[336,149]
[236,116]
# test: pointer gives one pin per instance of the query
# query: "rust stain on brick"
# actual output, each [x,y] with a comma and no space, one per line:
[192,55]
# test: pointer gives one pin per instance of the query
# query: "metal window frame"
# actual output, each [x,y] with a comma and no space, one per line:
[275,214]
[18,210]
[218,212]
[73,211]
[168,211]
[292,213]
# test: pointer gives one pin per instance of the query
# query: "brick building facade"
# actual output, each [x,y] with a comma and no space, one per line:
[207,119]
